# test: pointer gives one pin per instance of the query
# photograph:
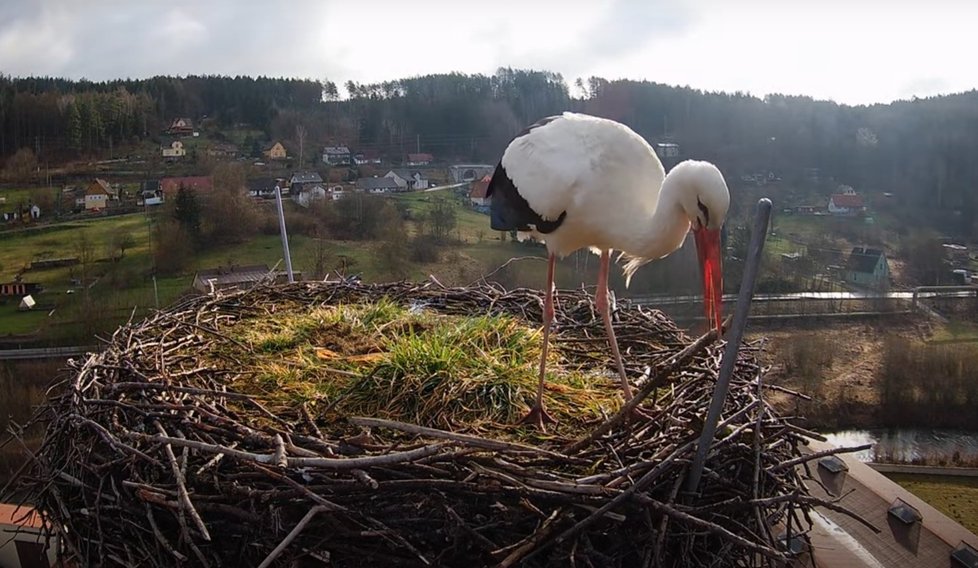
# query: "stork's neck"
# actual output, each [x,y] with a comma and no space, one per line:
[667,229]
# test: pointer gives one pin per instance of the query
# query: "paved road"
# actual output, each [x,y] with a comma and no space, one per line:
[44,352]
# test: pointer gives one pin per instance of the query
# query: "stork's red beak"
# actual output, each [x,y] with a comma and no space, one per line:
[708,251]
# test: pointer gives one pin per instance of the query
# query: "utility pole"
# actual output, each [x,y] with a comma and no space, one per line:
[285,236]
[418,138]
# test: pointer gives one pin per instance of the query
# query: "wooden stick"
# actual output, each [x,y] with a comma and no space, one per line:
[291,536]
[662,374]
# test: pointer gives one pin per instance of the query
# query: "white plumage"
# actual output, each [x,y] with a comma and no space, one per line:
[583,165]
[576,181]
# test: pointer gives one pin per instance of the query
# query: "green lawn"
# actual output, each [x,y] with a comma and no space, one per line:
[64,239]
[472,225]
[956,332]
[956,497]
[16,322]
[121,285]
[777,245]
[20,248]
[18,195]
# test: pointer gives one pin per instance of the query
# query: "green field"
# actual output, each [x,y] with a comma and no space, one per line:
[956,332]
[18,195]
[117,286]
[956,497]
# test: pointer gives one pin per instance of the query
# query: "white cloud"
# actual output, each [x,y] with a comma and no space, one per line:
[853,52]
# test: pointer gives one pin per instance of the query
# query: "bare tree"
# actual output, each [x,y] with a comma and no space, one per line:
[85,250]
[21,166]
[118,243]
[175,248]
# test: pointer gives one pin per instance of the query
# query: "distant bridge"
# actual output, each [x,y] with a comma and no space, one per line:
[44,352]
[820,304]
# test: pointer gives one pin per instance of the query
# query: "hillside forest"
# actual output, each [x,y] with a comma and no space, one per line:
[920,151]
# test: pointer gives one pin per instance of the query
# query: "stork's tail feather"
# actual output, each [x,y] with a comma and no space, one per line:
[632,264]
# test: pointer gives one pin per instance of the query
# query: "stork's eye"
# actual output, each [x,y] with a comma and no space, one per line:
[705,211]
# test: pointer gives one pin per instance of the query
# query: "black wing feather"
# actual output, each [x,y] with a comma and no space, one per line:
[510,211]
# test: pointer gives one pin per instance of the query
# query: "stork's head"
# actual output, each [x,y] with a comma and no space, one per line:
[705,199]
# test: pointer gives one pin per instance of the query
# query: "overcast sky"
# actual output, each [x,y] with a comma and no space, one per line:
[856,51]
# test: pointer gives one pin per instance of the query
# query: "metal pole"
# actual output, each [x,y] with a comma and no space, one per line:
[762,215]
[285,236]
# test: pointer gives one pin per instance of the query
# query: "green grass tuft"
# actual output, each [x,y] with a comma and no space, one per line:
[381,359]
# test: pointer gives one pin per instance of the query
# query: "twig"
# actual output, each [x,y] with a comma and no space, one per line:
[291,536]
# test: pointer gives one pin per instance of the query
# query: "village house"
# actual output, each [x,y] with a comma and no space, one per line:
[477,194]
[222,150]
[868,268]
[310,194]
[847,203]
[18,288]
[181,127]
[460,173]
[171,186]
[275,151]
[367,157]
[150,193]
[419,159]
[336,155]
[98,194]
[408,179]
[174,149]
[337,192]
[241,277]
[300,179]
[264,187]
[377,185]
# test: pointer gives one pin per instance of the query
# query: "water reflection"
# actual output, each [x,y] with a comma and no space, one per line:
[909,444]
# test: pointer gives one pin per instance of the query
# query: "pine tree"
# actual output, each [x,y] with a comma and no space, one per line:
[187,212]
[74,128]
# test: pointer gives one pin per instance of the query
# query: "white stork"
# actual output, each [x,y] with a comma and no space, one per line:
[576,181]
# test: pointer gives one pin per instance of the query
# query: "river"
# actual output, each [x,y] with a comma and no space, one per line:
[909,444]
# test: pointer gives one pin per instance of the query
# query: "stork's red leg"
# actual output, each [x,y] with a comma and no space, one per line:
[601,298]
[538,414]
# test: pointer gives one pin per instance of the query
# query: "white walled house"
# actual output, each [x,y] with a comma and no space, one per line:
[310,193]
[408,180]
[174,150]
[336,155]
[98,194]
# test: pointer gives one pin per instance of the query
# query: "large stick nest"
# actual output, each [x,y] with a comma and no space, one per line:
[250,429]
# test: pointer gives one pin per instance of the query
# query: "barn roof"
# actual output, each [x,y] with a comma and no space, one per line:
[863,259]
[848,200]
[377,183]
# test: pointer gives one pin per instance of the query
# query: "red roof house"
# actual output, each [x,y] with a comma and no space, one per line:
[171,185]
[846,203]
